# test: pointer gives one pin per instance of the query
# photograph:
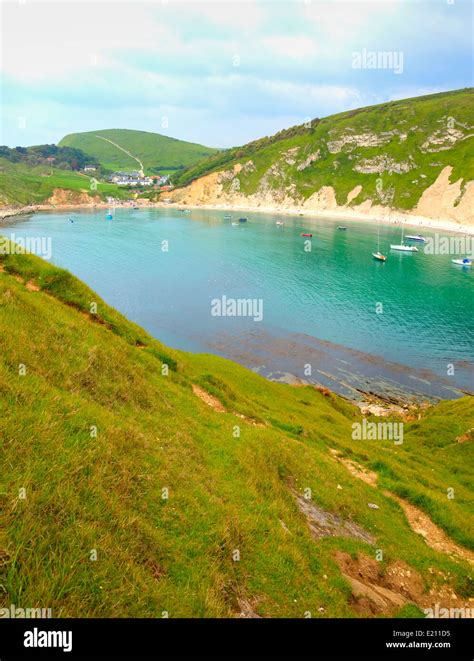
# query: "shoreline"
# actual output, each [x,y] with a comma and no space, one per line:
[386,215]
[389,389]
[9,212]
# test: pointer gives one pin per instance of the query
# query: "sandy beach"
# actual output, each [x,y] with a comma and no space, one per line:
[386,215]
[380,214]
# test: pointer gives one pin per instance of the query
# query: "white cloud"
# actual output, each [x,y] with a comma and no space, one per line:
[295,47]
[243,15]
[73,63]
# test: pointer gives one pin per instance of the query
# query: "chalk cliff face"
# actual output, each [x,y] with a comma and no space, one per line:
[442,200]
[414,156]
[63,196]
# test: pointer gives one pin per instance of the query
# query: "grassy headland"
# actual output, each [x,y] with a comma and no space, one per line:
[131,489]
[394,151]
[158,153]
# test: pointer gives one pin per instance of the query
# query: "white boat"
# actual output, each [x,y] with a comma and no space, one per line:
[404,248]
[279,222]
[235,223]
[401,246]
[378,255]
[416,237]
[462,262]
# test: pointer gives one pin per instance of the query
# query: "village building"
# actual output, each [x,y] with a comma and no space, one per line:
[130,179]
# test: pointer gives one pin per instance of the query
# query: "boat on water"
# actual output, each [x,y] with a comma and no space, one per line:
[305,234]
[416,237]
[187,211]
[378,255]
[279,222]
[462,262]
[341,227]
[227,217]
[402,246]
[243,220]
[235,223]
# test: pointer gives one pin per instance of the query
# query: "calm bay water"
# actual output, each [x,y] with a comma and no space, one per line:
[329,294]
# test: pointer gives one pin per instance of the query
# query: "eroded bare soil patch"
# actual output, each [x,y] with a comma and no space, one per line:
[434,536]
[247,609]
[367,476]
[208,399]
[467,436]
[418,521]
[32,286]
[383,591]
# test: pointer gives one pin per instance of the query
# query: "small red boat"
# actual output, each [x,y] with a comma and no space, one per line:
[305,234]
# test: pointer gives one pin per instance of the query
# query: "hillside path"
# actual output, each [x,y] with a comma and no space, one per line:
[142,174]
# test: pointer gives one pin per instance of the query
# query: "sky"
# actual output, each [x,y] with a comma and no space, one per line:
[219,73]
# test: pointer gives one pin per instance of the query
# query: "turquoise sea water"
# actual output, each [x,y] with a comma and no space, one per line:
[329,294]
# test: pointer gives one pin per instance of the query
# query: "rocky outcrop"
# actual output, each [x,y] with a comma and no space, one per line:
[445,137]
[307,162]
[349,141]
[383,163]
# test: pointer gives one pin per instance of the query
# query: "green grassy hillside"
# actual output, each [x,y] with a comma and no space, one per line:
[157,153]
[404,143]
[125,494]
[21,184]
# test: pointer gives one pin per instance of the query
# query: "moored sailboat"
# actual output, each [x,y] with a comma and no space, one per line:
[378,255]
[402,246]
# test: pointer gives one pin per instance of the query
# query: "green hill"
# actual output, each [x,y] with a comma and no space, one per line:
[23,184]
[158,153]
[130,490]
[392,151]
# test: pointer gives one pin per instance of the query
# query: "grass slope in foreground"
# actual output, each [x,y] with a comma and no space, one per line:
[158,153]
[166,493]
[404,144]
[21,184]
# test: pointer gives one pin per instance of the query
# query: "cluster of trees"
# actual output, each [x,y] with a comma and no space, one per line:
[284,134]
[65,158]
